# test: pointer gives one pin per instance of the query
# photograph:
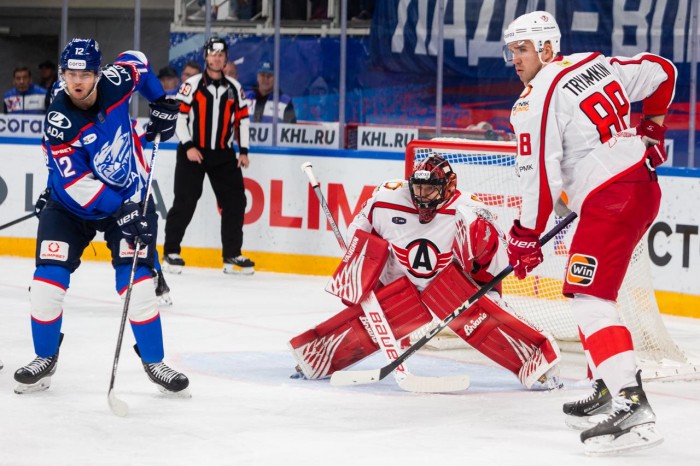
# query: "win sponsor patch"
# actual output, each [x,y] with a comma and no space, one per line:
[581,270]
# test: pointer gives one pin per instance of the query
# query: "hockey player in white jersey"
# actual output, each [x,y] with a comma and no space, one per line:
[426,247]
[574,136]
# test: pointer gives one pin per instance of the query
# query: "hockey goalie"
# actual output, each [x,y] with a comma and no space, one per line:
[423,248]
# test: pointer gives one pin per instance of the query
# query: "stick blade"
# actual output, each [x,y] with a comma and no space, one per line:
[418,384]
[344,378]
[118,407]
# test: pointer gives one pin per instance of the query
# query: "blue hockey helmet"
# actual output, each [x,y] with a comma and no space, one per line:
[81,54]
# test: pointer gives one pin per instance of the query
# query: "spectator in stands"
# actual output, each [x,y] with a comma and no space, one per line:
[24,97]
[231,70]
[366,10]
[48,74]
[190,69]
[169,80]
[261,102]
[320,102]
[49,78]
[240,9]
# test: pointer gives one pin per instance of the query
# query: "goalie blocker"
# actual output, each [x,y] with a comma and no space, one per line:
[504,338]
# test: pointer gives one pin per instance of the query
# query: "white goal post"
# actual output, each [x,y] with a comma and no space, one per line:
[487,169]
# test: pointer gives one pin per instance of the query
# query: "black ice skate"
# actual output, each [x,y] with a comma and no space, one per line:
[36,376]
[169,380]
[162,288]
[239,265]
[631,426]
[582,414]
[173,263]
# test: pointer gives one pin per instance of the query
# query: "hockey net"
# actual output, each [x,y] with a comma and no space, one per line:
[487,169]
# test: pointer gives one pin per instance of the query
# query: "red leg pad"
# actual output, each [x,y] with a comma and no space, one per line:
[346,338]
[487,327]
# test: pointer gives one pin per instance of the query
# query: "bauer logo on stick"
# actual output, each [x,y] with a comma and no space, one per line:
[581,270]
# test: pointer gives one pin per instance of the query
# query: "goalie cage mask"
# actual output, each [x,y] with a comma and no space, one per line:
[432,183]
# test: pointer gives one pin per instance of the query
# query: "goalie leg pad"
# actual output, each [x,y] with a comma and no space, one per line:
[346,338]
[501,336]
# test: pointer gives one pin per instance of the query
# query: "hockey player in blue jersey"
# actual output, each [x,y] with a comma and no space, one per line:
[98,174]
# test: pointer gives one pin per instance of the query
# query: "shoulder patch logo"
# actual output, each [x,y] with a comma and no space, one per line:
[112,75]
[89,139]
[58,120]
[581,270]
[398,220]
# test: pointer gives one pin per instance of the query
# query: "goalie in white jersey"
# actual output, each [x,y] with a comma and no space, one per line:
[572,126]
[425,247]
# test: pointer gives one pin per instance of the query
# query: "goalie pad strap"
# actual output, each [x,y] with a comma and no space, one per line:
[359,271]
[346,338]
[494,332]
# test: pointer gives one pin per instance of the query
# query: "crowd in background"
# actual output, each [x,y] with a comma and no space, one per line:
[31,94]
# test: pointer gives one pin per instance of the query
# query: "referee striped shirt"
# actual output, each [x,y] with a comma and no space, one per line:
[212,113]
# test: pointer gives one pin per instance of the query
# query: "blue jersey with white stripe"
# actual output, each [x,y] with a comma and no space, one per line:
[94,156]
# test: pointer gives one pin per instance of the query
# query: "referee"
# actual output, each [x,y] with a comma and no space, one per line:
[213,111]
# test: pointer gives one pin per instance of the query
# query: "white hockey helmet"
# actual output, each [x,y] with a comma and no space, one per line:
[538,27]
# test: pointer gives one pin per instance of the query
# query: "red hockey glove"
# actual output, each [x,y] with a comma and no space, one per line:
[524,251]
[653,136]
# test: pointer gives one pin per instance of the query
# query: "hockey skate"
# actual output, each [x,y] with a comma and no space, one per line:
[239,265]
[631,426]
[169,381]
[36,376]
[173,263]
[162,288]
[584,414]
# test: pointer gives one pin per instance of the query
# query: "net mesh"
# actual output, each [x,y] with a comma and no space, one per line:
[487,169]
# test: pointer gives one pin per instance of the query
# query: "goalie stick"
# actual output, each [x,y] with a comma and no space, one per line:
[119,407]
[376,318]
[351,377]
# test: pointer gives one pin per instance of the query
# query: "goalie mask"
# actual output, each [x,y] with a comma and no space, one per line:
[538,27]
[432,184]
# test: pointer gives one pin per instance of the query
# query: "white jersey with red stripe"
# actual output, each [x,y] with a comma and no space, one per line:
[418,251]
[572,125]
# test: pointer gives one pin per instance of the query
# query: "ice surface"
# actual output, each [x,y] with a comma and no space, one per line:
[229,335]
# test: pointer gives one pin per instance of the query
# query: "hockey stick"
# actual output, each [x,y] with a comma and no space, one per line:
[119,407]
[375,375]
[19,220]
[377,320]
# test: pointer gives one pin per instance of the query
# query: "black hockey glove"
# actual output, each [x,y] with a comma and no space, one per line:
[41,202]
[164,113]
[133,224]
